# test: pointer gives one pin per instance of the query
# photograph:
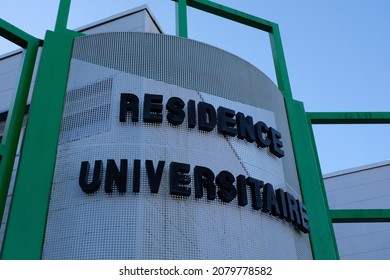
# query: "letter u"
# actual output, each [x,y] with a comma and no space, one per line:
[92,187]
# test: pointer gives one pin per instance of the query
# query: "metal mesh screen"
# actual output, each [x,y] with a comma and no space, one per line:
[145,225]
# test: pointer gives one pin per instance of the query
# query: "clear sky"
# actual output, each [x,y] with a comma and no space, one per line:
[337,53]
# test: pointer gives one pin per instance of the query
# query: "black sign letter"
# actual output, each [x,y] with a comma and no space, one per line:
[114,175]
[270,204]
[245,129]
[176,113]
[153,108]
[227,192]
[96,181]
[178,176]
[255,185]
[129,103]
[226,121]
[204,178]
[191,113]
[276,144]
[241,191]
[136,175]
[207,117]
[304,226]
[154,177]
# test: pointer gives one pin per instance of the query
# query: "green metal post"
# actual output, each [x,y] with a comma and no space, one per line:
[280,62]
[63,15]
[231,14]
[321,228]
[322,235]
[17,109]
[181,18]
[27,219]
[354,215]
[349,117]
[15,35]
[360,215]
[26,226]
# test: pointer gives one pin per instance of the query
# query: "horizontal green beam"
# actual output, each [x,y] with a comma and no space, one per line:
[249,20]
[14,34]
[232,14]
[349,117]
[360,216]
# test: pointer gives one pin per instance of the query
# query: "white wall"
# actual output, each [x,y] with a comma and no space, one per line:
[9,70]
[138,19]
[366,187]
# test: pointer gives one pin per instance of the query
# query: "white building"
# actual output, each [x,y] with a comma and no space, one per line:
[139,19]
[365,187]
[358,188]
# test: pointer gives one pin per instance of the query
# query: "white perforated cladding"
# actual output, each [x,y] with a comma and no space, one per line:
[160,226]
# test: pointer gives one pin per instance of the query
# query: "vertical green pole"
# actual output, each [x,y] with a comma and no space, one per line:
[181,18]
[63,15]
[27,219]
[16,112]
[25,229]
[323,241]
[14,124]
[280,62]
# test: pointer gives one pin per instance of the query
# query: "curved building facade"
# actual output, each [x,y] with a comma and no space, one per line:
[172,149]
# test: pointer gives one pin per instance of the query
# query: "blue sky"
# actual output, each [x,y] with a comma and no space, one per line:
[337,53]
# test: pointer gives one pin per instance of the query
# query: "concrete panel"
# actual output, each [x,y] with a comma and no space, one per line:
[362,241]
[362,188]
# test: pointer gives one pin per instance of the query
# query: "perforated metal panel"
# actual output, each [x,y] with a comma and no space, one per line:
[149,225]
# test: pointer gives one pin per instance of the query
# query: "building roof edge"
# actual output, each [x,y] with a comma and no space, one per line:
[356,169]
[138,9]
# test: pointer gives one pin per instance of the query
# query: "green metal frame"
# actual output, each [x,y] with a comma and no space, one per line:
[353,215]
[321,234]
[321,217]
[361,216]
[349,118]
[26,228]
[9,143]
